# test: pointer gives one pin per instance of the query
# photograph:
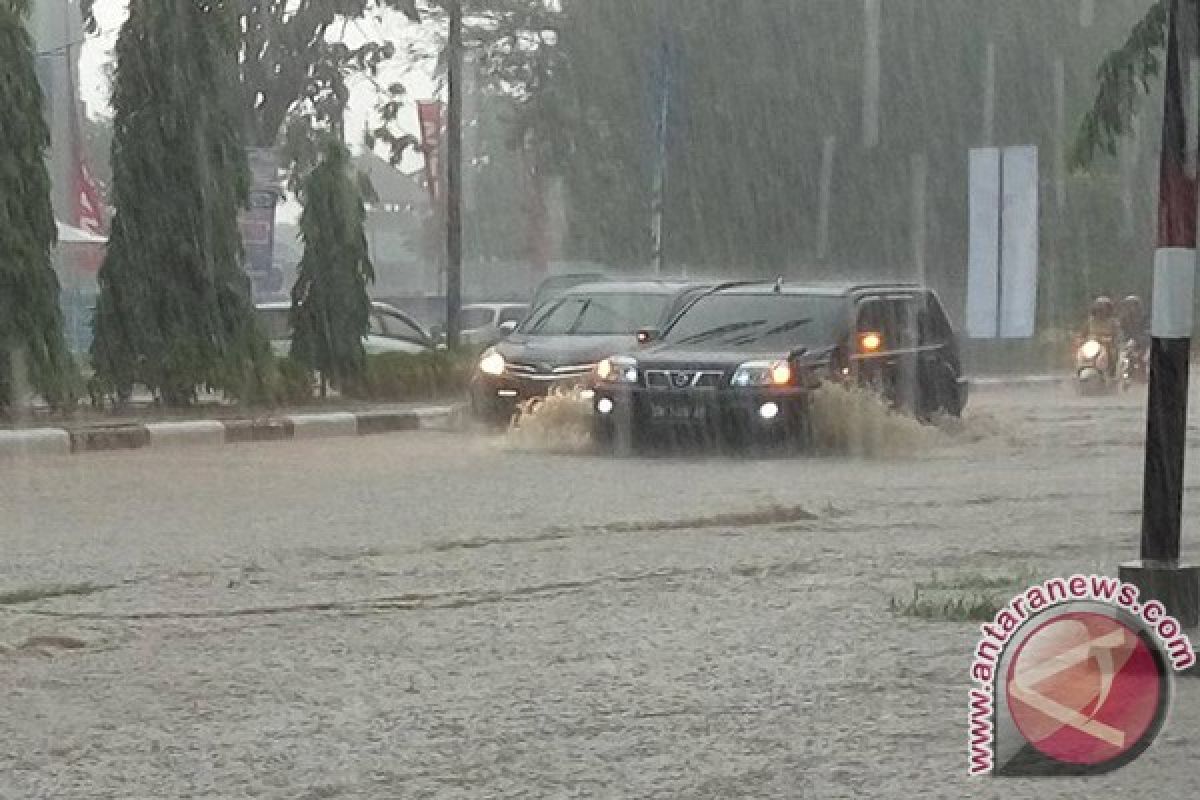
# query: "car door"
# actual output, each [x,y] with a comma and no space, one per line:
[905,363]
[939,368]
[389,333]
[871,346]
[885,333]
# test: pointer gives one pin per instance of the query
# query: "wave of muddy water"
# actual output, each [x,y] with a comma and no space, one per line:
[847,421]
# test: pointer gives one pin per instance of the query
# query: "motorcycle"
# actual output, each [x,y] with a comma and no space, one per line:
[1094,372]
[1134,363]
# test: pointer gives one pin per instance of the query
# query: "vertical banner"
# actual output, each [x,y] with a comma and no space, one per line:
[872,68]
[429,114]
[1003,250]
[1019,242]
[983,248]
[258,223]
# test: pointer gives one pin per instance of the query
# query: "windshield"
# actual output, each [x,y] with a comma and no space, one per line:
[472,318]
[599,314]
[759,322]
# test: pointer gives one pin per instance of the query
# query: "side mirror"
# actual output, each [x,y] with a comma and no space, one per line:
[648,335]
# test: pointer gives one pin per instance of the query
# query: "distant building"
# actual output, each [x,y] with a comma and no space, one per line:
[401,230]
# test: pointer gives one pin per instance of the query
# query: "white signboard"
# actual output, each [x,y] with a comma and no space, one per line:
[983,250]
[1002,266]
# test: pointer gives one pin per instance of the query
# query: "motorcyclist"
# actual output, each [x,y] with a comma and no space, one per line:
[1104,327]
[1131,315]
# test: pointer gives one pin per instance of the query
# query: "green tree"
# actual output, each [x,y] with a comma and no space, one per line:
[31,332]
[330,306]
[174,310]
[294,70]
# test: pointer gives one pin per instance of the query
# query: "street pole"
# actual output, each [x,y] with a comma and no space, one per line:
[1159,574]
[454,69]
[660,162]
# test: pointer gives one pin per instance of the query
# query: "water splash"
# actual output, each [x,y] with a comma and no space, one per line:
[558,423]
[850,421]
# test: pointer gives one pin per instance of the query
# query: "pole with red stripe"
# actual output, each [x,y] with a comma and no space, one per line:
[1159,573]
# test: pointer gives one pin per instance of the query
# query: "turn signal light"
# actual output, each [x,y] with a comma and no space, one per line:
[870,342]
[781,374]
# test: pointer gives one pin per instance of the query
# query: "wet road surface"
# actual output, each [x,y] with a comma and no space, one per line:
[442,615]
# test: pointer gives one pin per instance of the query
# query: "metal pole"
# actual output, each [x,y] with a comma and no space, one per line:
[660,166]
[1159,574]
[454,55]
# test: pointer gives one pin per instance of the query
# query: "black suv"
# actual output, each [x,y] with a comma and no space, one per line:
[742,358]
[560,342]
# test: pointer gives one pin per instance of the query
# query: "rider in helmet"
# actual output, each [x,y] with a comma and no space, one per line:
[1103,326]
[1102,319]
[1131,314]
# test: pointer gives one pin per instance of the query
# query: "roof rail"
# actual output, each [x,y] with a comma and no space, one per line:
[884,285]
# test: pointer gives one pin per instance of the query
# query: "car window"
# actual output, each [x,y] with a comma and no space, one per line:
[901,329]
[599,314]
[932,327]
[872,316]
[512,314]
[472,318]
[767,321]
[397,327]
[376,327]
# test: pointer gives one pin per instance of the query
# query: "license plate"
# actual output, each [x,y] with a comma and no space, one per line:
[677,412]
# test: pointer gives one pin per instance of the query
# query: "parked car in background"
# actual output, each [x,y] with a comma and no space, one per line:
[390,330]
[560,342]
[484,324]
[741,360]
[555,285]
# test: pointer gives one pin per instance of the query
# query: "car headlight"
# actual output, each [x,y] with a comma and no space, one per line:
[618,369]
[492,363]
[762,373]
[1090,349]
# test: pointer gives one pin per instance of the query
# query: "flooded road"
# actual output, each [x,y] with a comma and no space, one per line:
[448,615]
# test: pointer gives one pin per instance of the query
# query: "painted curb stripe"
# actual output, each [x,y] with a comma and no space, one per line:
[127,437]
[385,422]
[261,430]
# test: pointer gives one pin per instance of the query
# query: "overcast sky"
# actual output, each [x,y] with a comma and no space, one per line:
[96,60]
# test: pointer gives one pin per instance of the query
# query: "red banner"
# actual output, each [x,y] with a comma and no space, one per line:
[89,208]
[429,112]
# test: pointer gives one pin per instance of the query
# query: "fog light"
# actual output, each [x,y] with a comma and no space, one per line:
[768,411]
[604,405]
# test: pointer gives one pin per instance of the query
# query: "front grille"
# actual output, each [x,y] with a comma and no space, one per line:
[547,372]
[665,379]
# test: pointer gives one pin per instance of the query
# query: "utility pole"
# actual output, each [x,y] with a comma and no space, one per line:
[1160,574]
[454,70]
[659,199]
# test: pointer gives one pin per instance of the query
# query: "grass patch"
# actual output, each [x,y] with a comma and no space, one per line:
[32,594]
[975,608]
[965,597]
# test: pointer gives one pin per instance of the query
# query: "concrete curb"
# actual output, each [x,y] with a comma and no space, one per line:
[1003,381]
[32,442]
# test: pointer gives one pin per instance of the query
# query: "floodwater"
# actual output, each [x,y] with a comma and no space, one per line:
[440,615]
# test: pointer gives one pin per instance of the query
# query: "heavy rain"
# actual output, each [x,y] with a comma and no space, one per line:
[598,398]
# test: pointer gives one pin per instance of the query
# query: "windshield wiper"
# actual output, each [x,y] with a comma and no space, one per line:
[781,328]
[720,330]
